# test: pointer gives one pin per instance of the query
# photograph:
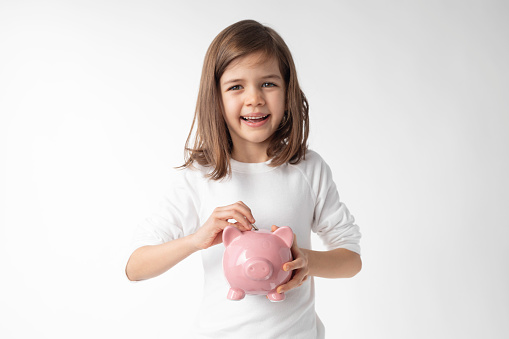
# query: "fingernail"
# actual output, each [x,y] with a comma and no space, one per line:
[286,268]
[279,290]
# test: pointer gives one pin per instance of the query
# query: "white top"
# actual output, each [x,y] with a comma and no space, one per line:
[302,196]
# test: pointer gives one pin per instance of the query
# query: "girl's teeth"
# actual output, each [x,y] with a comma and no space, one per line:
[254,118]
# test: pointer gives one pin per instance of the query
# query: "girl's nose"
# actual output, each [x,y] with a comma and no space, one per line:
[254,97]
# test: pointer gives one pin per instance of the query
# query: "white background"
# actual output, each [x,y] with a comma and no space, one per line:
[408,106]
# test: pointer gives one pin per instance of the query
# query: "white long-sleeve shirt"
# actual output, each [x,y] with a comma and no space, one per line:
[302,196]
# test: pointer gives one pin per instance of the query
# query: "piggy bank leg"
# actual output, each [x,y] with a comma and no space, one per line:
[275,297]
[235,294]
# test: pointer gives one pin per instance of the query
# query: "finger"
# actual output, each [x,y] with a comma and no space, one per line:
[300,277]
[239,207]
[296,281]
[240,202]
[274,228]
[234,214]
[245,210]
[294,265]
[237,225]
[288,286]
[241,219]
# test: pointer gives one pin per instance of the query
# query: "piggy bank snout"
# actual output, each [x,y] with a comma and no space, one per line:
[258,269]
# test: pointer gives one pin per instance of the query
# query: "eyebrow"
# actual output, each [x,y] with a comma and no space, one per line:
[270,76]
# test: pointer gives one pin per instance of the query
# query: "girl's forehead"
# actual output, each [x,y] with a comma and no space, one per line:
[253,61]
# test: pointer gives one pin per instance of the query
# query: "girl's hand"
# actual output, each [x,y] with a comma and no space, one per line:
[299,265]
[210,233]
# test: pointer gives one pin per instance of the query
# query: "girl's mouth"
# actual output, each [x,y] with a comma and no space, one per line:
[255,119]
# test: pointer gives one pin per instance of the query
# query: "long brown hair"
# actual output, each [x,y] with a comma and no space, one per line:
[212,140]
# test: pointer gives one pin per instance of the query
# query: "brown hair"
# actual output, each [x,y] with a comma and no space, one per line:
[212,142]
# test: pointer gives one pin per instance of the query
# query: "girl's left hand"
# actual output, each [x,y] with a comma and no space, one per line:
[299,265]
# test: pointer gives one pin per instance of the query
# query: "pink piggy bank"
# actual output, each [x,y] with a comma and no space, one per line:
[253,261]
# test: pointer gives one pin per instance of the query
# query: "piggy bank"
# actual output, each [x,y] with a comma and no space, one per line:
[253,261]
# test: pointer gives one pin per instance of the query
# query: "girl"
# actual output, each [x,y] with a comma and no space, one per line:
[250,163]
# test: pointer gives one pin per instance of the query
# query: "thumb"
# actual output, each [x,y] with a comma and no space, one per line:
[274,228]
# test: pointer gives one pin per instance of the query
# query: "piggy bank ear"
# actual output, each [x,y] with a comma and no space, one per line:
[230,233]
[286,234]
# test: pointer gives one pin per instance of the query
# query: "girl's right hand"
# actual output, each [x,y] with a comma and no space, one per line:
[211,232]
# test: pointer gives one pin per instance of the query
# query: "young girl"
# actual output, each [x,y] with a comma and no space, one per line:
[250,163]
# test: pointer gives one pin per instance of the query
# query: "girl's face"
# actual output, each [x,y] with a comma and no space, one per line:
[253,93]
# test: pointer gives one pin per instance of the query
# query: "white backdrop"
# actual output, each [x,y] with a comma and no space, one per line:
[408,106]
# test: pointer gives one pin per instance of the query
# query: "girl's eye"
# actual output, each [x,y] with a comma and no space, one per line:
[268,84]
[234,88]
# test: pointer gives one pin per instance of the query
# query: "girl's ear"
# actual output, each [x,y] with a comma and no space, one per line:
[286,234]
[229,234]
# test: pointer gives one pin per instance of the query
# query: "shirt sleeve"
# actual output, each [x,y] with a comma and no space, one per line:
[333,222]
[176,217]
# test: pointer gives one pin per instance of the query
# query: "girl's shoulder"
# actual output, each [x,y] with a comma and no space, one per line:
[314,167]
[315,172]
[313,156]
[189,177]
[311,162]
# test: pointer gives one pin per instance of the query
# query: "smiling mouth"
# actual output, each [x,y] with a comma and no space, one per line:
[255,119]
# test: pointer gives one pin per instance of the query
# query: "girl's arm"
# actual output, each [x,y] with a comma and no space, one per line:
[150,261]
[337,263]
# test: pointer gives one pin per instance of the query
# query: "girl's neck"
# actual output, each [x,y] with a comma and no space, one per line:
[250,155]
